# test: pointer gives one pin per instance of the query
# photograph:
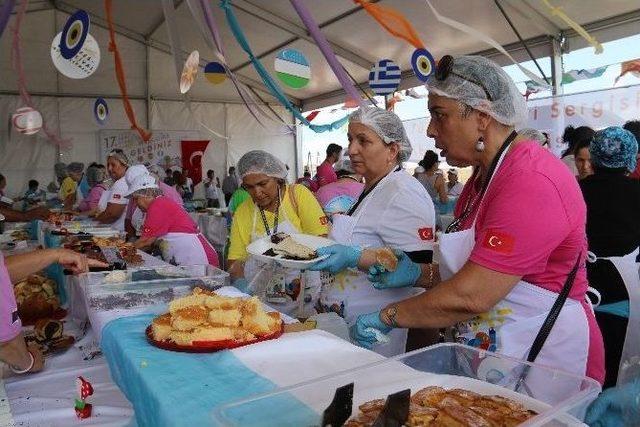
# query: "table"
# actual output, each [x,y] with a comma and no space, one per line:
[178,389]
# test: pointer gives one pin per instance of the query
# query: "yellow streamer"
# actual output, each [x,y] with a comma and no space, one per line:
[557,11]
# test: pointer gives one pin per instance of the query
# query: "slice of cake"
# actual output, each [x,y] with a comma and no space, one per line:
[221,302]
[188,318]
[161,327]
[289,248]
[229,318]
[186,301]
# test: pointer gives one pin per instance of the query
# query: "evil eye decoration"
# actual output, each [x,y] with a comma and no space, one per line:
[74,34]
[101,111]
[423,64]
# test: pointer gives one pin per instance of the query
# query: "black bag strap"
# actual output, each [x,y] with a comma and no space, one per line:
[545,330]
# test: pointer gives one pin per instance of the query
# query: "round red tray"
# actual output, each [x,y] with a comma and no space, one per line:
[208,346]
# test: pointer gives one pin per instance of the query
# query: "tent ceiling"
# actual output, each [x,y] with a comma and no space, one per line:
[356,37]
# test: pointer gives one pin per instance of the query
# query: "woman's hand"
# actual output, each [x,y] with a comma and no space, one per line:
[340,257]
[615,405]
[76,262]
[406,274]
[38,358]
[364,332]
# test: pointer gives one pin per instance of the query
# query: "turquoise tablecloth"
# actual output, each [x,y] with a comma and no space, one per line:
[181,389]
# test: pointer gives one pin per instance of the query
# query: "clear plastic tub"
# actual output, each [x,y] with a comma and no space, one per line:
[559,398]
[108,295]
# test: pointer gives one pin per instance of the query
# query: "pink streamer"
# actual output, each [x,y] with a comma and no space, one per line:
[16,64]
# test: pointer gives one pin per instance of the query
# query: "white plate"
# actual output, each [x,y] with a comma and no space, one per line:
[258,247]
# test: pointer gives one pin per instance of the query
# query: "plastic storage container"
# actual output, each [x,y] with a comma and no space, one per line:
[559,398]
[108,295]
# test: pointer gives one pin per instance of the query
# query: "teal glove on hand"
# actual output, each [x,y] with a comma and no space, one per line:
[363,334]
[242,285]
[407,274]
[619,406]
[340,257]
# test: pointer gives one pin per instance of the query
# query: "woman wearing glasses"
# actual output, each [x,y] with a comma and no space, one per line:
[112,205]
[513,259]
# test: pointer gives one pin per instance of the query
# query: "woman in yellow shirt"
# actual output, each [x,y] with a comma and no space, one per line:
[69,186]
[273,207]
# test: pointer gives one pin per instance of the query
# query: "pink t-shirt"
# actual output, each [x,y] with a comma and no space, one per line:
[167,191]
[534,209]
[325,174]
[166,216]
[90,202]
[10,324]
[338,197]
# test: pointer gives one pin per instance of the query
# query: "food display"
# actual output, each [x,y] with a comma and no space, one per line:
[85,247]
[205,320]
[108,242]
[18,235]
[130,254]
[36,298]
[60,217]
[436,406]
[288,248]
[49,335]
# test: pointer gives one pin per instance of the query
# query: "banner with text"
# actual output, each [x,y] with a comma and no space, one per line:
[163,151]
[599,109]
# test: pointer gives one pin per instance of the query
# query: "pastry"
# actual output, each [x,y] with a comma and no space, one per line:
[428,396]
[161,327]
[201,334]
[48,329]
[386,258]
[188,301]
[188,318]
[372,405]
[229,318]
[221,302]
[290,249]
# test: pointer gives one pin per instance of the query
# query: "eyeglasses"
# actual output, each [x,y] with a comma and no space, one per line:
[444,69]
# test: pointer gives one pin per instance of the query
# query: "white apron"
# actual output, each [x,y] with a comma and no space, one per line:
[137,220]
[628,269]
[512,325]
[283,286]
[183,249]
[349,293]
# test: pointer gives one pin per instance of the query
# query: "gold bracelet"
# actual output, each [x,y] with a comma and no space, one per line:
[430,283]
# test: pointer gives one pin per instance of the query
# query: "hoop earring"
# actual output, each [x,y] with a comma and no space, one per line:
[480,145]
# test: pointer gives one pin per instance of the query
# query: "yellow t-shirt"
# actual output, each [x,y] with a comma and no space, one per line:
[67,188]
[309,219]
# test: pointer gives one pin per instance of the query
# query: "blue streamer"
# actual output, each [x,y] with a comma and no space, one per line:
[268,81]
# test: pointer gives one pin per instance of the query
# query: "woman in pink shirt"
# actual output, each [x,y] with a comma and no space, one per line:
[512,275]
[180,240]
[95,177]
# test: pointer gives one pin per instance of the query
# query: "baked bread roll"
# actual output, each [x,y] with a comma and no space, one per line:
[386,258]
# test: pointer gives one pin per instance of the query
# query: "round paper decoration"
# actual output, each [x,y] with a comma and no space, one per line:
[83,64]
[189,71]
[423,64]
[292,68]
[27,121]
[101,111]
[214,72]
[74,34]
[384,77]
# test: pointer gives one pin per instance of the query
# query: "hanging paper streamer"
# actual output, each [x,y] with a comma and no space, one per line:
[100,111]
[533,87]
[27,121]
[312,115]
[74,34]
[273,87]
[423,64]
[384,77]
[189,72]
[557,11]
[5,14]
[629,67]
[16,63]
[575,75]
[203,15]
[81,65]
[113,47]
[481,36]
[292,68]
[325,48]
[214,72]
[392,21]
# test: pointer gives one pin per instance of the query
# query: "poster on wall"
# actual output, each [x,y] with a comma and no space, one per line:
[163,151]
[192,154]
[598,109]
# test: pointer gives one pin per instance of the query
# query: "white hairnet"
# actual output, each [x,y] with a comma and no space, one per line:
[134,172]
[386,125]
[472,79]
[258,161]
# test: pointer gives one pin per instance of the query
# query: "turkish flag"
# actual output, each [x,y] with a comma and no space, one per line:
[498,241]
[426,233]
[192,152]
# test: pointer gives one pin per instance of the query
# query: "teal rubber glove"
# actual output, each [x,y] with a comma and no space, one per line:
[407,274]
[363,332]
[618,406]
[242,285]
[340,257]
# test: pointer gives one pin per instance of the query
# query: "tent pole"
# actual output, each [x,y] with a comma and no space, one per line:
[295,148]
[557,66]
[147,92]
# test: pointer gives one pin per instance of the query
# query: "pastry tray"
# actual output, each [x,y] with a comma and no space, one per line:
[559,398]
